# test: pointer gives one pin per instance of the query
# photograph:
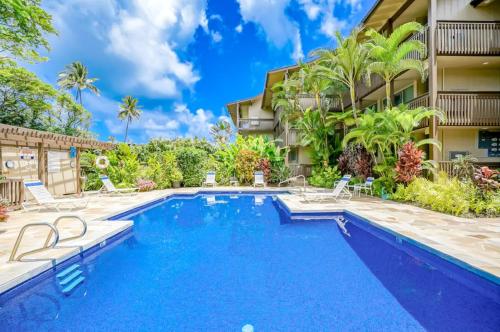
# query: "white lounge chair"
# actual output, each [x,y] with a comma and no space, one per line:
[340,191]
[367,187]
[109,188]
[259,179]
[210,180]
[44,198]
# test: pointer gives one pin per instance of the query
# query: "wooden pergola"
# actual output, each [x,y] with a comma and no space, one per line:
[41,140]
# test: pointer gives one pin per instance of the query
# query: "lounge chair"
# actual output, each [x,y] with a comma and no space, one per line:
[259,179]
[109,188]
[44,198]
[340,191]
[367,187]
[210,180]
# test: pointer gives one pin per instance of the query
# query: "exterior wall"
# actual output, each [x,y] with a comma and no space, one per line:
[255,111]
[304,156]
[463,139]
[62,182]
[469,79]
[462,10]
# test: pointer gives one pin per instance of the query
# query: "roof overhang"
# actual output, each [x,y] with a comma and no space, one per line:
[272,77]
[382,11]
[20,136]
[233,106]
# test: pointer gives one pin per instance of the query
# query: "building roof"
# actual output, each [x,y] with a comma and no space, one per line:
[19,136]
[233,106]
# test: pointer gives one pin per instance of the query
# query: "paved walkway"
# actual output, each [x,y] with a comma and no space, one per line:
[476,242]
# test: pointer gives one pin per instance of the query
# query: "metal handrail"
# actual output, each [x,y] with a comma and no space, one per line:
[69,216]
[54,230]
[293,178]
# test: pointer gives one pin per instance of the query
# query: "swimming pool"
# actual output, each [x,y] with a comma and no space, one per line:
[218,262]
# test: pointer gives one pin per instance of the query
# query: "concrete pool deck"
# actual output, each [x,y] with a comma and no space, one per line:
[476,242]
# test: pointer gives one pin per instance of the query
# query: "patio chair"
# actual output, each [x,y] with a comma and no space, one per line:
[210,180]
[44,198]
[367,187]
[109,188]
[259,179]
[340,191]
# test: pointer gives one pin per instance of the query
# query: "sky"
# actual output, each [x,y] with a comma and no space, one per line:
[185,59]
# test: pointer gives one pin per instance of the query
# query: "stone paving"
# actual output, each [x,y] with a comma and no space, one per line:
[476,242]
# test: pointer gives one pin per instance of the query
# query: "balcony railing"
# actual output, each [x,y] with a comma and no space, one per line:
[255,124]
[293,137]
[447,166]
[420,101]
[470,109]
[308,101]
[300,169]
[422,37]
[468,38]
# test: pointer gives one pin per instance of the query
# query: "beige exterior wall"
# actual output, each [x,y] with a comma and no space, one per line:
[60,183]
[462,10]
[255,110]
[304,156]
[469,79]
[463,139]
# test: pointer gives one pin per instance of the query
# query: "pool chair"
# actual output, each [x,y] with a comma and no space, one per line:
[367,187]
[109,188]
[340,191]
[258,179]
[44,198]
[210,180]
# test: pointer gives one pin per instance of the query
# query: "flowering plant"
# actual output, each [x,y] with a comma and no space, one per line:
[146,185]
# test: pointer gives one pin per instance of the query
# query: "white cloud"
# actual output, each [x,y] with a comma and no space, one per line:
[239,28]
[270,16]
[311,8]
[216,36]
[149,34]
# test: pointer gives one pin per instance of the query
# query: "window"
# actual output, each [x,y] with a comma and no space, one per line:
[293,156]
[403,96]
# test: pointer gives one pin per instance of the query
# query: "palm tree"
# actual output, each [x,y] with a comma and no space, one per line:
[347,63]
[221,131]
[75,77]
[388,54]
[129,110]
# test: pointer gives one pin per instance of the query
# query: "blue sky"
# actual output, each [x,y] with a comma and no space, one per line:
[185,59]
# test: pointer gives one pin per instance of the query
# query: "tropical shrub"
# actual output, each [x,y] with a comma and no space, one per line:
[448,195]
[162,168]
[123,168]
[247,162]
[463,167]
[145,185]
[91,172]
[3,210]
[486,179]
[324,176]
[192,163]
[265,166]
[355,160]
[279,172]
[409,164]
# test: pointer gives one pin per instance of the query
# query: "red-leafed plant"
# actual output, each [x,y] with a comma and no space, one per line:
[145,185]
[486,179]
[265,167]
[409,164]
[355,160]
[3,211]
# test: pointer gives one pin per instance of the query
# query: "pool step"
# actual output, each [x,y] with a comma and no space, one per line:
[70,278]
[67,290]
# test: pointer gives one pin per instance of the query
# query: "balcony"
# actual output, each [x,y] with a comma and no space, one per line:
[308,101]
[470,108]
[420,101]
[255,125]
[468,38]
[422,37]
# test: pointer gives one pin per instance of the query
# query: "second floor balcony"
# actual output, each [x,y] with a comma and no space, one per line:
[255,125]
[464,108]
[468,38]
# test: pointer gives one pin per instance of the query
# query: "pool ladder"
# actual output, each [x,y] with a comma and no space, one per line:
[51,241]
[294,178]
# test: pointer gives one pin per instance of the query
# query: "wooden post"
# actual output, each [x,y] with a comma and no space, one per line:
[237,116]
[78,170]
[41,164]
[433,82]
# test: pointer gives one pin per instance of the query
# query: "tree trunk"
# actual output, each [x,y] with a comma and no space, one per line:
[353,103]
[388,94]
[126,130]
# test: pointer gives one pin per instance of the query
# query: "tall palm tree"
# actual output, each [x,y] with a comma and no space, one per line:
[75,76]
[347,63]
[129,110]
[221,131]
[388,54]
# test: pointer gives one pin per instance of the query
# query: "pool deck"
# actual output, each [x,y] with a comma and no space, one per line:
[476,242]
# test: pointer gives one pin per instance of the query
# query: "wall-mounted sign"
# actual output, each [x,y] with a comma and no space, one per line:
[72,152]
[490,140]
[26,153]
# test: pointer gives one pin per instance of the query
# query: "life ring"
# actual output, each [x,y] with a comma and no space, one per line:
[102,162]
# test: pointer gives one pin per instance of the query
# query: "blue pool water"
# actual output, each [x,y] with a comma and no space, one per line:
[194,265]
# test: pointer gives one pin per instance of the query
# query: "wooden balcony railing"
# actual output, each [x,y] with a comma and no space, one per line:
[470,108]
[255,124]
[12,190]
[308,101]
[300,169]
[420,101]
[468,38]
[422,37]
[293,137]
